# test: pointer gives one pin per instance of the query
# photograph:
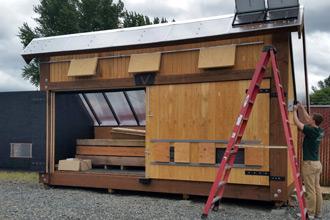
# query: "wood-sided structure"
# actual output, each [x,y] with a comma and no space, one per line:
[195,75]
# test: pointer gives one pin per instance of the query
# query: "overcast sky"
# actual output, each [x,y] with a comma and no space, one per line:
[14,12]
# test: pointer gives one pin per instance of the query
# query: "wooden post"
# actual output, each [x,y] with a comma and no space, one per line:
[278,158]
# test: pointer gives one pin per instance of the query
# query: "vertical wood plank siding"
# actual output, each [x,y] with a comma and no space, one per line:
[178,63]
[325,144]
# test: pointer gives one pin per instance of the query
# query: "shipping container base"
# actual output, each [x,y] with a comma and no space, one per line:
[137,182]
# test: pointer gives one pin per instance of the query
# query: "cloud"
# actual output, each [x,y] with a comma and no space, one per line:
[12,15]
[180,10]
[9,82]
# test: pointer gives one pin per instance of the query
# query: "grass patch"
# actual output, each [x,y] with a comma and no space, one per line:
[32,177]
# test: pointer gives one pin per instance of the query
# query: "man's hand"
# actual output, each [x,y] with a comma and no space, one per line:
[299,124]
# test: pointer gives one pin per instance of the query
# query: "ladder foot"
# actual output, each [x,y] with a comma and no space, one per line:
[216,206]
[204,216]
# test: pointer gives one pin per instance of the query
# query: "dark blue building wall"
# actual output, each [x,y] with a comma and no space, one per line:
[23,120]
[72,122]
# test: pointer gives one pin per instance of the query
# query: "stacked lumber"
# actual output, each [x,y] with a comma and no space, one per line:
[122,152]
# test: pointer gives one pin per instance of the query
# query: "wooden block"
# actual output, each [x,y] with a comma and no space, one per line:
[111,142]
[102,132]
[254,156]
[182,152]
[111,151]
[160,152]
[194,152]
[206,153]
[114,160]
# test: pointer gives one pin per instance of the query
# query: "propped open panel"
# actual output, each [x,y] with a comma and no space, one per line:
[83,67]
[216,57]
[142,63]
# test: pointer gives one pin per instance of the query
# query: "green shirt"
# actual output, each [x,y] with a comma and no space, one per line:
[311,143]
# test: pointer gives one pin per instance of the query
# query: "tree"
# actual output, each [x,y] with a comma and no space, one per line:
[58,17]
[321,95]
[133,19]
[158,20]
[96,15]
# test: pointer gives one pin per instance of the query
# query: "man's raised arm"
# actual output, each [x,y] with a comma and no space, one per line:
[296,120]
[305,115]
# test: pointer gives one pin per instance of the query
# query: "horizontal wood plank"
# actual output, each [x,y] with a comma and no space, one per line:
[114,160]
[111,151]
[131,182]
[221,76]
[111,142]
[129,131]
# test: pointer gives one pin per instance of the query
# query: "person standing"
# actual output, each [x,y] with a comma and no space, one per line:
[311,166]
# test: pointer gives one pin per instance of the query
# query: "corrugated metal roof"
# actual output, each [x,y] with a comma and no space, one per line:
[197,28]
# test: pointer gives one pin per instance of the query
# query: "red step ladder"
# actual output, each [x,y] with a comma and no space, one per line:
[228,159]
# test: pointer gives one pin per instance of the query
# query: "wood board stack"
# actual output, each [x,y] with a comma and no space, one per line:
[112,151]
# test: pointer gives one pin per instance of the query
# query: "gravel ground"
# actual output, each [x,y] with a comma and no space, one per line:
[26,200]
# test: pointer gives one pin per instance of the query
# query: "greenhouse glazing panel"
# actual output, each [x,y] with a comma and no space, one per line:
[137,98]
[88,109]
[121,108]
[101,109]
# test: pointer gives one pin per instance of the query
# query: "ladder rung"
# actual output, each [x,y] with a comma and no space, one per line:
[263,67]
[233,152]
[298,175]
[228,167]
[301,193]
[250,101]
[217,198]
[221,183]
[283,103]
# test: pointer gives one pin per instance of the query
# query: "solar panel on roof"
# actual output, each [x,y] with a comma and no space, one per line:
[243,6]
[249,18]
[281,14]
[276,4]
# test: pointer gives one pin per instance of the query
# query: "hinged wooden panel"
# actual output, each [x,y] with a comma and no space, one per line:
[206,153]
[147,62]
[83,67]
[182,152]
[160,152]
[215,57]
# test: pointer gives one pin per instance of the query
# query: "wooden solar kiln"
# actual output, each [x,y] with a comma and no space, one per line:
[162,101]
